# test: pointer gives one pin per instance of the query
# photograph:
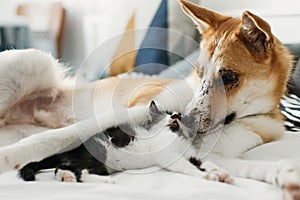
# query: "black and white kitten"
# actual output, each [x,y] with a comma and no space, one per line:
[168,140]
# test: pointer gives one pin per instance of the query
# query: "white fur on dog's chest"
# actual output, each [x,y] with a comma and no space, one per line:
[236,139]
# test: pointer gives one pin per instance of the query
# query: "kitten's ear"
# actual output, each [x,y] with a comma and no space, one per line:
[153,109]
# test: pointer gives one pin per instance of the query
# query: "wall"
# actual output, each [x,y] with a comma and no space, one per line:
[283,15]
[285,5]
[73,52]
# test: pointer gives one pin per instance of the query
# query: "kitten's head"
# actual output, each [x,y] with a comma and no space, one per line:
[182,125]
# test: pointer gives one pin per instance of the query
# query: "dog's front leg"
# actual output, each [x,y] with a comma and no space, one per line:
[284,174]
[42,145]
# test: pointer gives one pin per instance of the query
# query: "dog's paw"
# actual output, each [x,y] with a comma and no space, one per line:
[65,176]
[288,179]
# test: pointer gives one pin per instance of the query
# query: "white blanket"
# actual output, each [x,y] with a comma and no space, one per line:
[155,185]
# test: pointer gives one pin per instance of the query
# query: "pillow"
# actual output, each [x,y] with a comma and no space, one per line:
[182,68]
[170,44]
[290,104]
[162,35]
[290,108]
[294,49]
[294,84]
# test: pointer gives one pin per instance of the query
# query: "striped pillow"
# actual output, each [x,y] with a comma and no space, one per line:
[290,108]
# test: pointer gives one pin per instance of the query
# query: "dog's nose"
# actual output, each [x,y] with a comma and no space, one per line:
[176,116]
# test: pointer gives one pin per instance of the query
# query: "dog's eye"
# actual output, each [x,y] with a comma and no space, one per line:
[229,76]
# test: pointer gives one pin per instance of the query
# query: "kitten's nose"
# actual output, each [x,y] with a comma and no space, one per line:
[176,116]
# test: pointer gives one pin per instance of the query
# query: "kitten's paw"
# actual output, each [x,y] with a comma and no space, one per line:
[216,173]
[94,178]
[220,176]
[288,179]
[65,176]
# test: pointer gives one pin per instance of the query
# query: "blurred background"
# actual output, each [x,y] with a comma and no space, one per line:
[72,29]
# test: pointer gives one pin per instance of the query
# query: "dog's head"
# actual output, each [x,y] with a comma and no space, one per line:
[244,54]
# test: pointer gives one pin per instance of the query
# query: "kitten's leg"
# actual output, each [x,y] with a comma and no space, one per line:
[86,177]
[48,143]
[79,165]
[185,167]
[66,173]
[29,171]
[284,174]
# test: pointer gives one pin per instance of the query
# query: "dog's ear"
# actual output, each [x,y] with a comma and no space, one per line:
[205,19]
[255,33]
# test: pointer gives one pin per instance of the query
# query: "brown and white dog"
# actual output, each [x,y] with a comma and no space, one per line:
[251,61]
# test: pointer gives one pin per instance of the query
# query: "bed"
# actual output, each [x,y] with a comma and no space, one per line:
[155,184]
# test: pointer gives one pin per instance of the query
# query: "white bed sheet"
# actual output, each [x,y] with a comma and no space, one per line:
[156,185]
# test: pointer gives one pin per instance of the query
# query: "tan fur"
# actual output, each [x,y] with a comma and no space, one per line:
[248,47]
[140,97]
[134,91]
